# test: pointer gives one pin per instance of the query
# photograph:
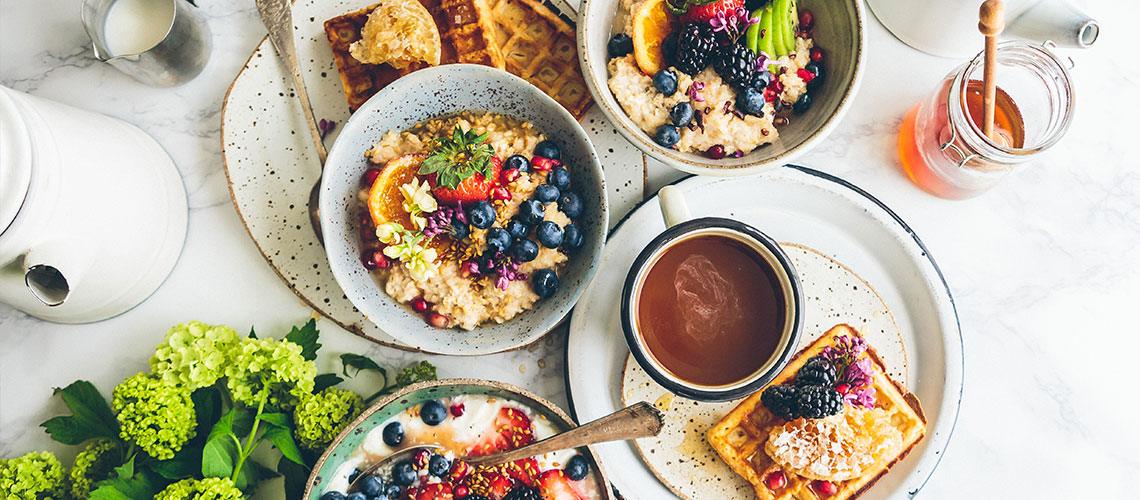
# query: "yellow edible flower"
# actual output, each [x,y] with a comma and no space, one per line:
[389,233]
[420,261]
[418,201]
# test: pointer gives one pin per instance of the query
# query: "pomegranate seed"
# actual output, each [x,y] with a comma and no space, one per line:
[420,460]
[458,409]
[776,480]
[769,94]
[776,85]
[807,20]
[437,320]
[716,152]
[509,175]
[816,54]
[370,176]
[805,75]
[501,193]
[468,268]
[843,388]
[368,259]
[419,305]
[825,488]
[459,470]
[543,164]
[461,491]
[411,491]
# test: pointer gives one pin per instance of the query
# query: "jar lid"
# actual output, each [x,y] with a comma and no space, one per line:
[15,159]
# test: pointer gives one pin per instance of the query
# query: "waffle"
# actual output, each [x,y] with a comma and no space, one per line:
[740,437]
[523,37]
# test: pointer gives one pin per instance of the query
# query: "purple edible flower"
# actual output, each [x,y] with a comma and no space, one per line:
[862,397]
[438,221]
[508,272]
[694,91]
[325,126]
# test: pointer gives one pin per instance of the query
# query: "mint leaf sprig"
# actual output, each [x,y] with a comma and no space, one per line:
[454,160]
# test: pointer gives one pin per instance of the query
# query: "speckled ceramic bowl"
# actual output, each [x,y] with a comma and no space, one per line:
[838,31]
[430,93]
[413,395]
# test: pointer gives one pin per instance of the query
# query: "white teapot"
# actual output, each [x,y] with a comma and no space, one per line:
[92,211]
[949,28]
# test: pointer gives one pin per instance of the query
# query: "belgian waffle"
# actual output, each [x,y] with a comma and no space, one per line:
[739,438]
[523,37]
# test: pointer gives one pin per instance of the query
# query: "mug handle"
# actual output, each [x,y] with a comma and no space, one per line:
[673,206]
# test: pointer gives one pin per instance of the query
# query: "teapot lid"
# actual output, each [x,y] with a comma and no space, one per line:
[15,160]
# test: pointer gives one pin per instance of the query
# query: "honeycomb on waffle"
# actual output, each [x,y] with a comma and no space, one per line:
[739,438]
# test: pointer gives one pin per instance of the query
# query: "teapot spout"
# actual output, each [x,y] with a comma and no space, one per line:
[52,269]
[47,284]
[1058,21]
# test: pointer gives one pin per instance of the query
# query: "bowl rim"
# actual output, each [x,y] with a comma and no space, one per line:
[328,197]
[605,489]
[694,163]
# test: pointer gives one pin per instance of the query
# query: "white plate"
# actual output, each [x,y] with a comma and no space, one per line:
[809,208]
[271,163]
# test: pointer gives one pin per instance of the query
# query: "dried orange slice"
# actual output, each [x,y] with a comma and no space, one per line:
[651,22]
[385,202]
[399,33]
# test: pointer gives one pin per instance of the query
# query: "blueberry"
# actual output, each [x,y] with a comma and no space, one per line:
[549,234]
[517,229]
[546,193]
[570,204]
[524,251]
[761,79]
[665,81]
[518,162]
[545,282]
[817,70]
[548,149]
[559,177]
[393,434]
[332,495]
[438,465]
[481,214]
[356,495]
[460,230]
[433,412]
[681,114]
[667,135]
[571,237]
[620,45]
[750,100]
[498,239]
[531,212]
[353,475]
[403,473]
[392,491]
[576,468]
[370,486]
[802,104]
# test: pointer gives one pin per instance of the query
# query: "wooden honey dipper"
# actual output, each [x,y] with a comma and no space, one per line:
[991,22]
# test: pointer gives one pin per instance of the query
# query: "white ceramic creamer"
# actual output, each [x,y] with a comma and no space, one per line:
[92,211]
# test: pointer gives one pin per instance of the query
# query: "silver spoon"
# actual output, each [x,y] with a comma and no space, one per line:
[637,421]
[278,20]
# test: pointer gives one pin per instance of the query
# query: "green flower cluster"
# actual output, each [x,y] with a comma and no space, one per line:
[320,417]
[35,476]
[211,488]
[157,417]
[268,364]
[95,463]
[193,355]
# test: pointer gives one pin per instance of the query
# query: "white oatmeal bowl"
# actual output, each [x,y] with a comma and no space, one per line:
[485,312]
[765,139]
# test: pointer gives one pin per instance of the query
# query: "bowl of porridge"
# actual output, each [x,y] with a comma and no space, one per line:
[463,210]
[727,87]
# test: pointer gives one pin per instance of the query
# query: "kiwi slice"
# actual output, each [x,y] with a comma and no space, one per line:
[765,39]
[792,26]
[779,24]
[752,34]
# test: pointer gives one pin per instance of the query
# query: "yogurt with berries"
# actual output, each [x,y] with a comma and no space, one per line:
[465,426]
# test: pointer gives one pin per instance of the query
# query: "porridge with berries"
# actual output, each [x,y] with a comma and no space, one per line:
[713,78]
[470,218]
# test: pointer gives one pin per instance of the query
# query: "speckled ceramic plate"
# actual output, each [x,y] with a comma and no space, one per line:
[414,395]
[833,294]
[271,164]
[843,223]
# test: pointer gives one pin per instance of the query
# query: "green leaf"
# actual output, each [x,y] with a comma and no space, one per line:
[251,474]
[276,420]
[243,423]
[186,463]
[419,372]
[306,337]
[91,416]
[282,438]
[207,408]
[324,381]
[296,475]
[224,425]
[127,485]
[361,363]
[219,456]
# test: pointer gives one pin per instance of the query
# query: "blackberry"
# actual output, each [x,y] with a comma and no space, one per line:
[735,64]
[817,371]
[782,401]
[819,402]
[695,44]
[522,493]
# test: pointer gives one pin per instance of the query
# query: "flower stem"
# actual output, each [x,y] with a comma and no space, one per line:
[250,441]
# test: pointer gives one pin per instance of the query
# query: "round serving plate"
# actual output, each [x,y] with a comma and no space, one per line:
[271,164]
[809,209]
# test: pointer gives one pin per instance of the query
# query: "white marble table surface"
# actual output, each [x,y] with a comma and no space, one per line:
[1045,268]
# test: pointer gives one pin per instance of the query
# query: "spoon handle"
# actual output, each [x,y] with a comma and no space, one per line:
[278,20]
[637,421]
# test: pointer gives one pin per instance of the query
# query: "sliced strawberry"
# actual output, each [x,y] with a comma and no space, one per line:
[705,13]
[435,491]
[511,430]
[489,483]
[556,486]
[472,189]
[524,471]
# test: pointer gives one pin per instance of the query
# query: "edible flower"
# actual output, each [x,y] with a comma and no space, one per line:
[419,261]
[694,91]
[389,233]
[854,369]
[508,271]
[764,61]
[733,24]
[418,201]
[444,220]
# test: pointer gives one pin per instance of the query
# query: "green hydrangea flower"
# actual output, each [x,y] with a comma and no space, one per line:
[34,476]
[157,417]
[211,488]
[319,418]
[95,463]
[269,364]
[193,355]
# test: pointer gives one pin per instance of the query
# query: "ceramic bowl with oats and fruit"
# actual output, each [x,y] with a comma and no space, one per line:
[722,87]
